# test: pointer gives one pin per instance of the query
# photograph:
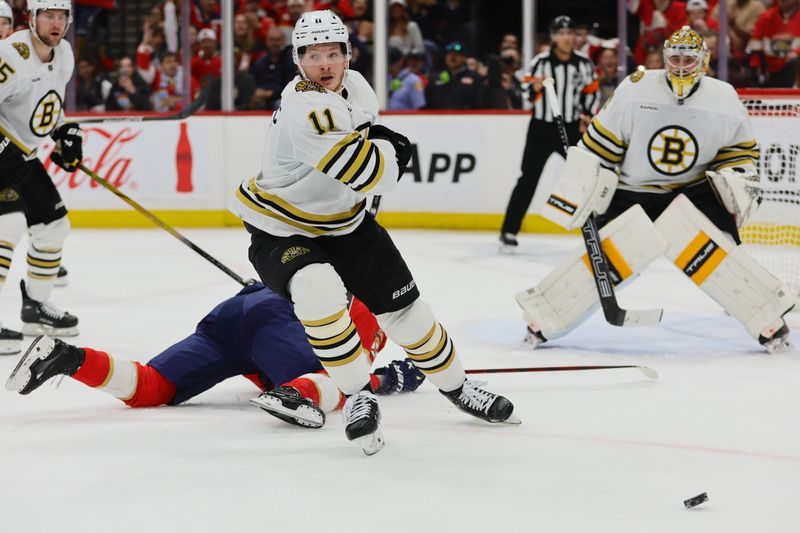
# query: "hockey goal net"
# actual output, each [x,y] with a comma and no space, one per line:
[772,235]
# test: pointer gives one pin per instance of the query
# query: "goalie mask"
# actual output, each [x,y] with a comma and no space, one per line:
[685,61]
[319,27]
[34,6]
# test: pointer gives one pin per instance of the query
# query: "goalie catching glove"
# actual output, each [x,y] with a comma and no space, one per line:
[401,144]
[583,188]
[738,189]
[69,146]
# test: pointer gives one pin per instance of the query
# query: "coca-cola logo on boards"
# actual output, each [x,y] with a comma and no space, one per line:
[111,163]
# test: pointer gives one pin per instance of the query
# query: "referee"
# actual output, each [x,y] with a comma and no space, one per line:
[577,88]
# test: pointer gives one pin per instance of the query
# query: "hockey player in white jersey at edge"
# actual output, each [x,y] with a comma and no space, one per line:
[670,165]
[35,66]
[312,238]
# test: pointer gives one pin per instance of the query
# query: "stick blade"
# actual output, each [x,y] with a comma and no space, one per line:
[649,372]
[642,318]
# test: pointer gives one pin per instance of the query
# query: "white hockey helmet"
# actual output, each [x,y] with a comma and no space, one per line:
[34,6]
[6,11]
[686,60]
[319,27]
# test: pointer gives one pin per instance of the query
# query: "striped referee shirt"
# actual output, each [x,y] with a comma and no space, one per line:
[576,86]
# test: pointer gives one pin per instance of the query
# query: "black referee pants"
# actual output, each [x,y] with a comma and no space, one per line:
[543,139]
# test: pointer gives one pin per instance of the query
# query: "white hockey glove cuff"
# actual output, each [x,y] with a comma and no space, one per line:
[584,187]
[739,190]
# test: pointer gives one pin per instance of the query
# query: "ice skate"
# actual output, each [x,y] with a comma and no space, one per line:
[777,342]
[10,341]
[44,359]
[43,318]
[62,279]
[362,417]
[533,338]
[508,243]
[287,404]
[482,404]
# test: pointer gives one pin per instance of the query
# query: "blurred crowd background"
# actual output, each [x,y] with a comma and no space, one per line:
[443,54]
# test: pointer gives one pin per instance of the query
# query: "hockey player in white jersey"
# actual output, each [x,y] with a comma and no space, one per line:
[313,239]
[680,151]
[35,66]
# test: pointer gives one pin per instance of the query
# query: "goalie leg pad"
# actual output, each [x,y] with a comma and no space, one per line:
[722,269]
[567,296]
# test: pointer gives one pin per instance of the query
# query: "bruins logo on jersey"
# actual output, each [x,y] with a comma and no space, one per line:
[304,86]
[638,75]
[8,195]
[45,114]
[293,252]
[672,150]
[22,49]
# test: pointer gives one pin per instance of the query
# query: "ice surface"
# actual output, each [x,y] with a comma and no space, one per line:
[597,450]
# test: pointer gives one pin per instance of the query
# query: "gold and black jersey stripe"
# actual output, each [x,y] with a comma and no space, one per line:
[275,207]
[355,161]
[736,155]
[604,144]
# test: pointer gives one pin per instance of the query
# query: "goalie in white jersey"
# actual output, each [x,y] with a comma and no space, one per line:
[678,149]
[312,236]
[35,66]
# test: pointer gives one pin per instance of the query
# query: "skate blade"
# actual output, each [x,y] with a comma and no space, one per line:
[61,282]
[33,329]
[505,249]
[21,375]
[513,419]
[303,415]
[370,444]
[10,347]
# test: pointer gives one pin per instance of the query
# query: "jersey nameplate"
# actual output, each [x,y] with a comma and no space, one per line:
[304,86]
[22,49]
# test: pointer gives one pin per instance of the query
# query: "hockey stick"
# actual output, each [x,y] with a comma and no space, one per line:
[614,314]
[147,214]
[646,370]
[163,225]
[180,115]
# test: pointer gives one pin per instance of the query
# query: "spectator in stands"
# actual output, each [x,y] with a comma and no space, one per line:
[607,62]
[455,87]
[166,82]
[130,92]
[244,43]
[775,44]
[88,87]
[737,75]
[509,42]
[742,16]
[415,62]
[582,38]
[406,91]
[699,19]
[88,19]
[500,89]
[206,64]
[404,34]
[272,71]
[294,10]
[209,15]
[654,59]
[152,47]
[658,20]
[6,24]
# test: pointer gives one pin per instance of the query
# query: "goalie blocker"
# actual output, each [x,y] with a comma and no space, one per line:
[746,290]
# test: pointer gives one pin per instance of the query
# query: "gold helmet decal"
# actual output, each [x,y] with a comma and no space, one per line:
[685,60]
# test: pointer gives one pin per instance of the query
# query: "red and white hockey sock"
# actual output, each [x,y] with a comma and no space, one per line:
[135,384]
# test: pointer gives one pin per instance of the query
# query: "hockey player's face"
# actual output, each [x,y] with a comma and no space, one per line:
[51,25]
[325,64]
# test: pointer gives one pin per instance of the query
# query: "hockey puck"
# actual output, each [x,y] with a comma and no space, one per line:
[695,501]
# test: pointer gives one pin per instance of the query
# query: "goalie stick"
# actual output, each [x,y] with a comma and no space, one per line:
[190,110]
[613,313]
[646,370]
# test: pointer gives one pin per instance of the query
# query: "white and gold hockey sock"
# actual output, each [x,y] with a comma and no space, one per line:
[43,267]
[12,226]
[336,343]
[427,344]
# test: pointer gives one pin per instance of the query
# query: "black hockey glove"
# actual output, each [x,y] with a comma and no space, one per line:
[69,146]
[13,167]
[402,146]
[399,376]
